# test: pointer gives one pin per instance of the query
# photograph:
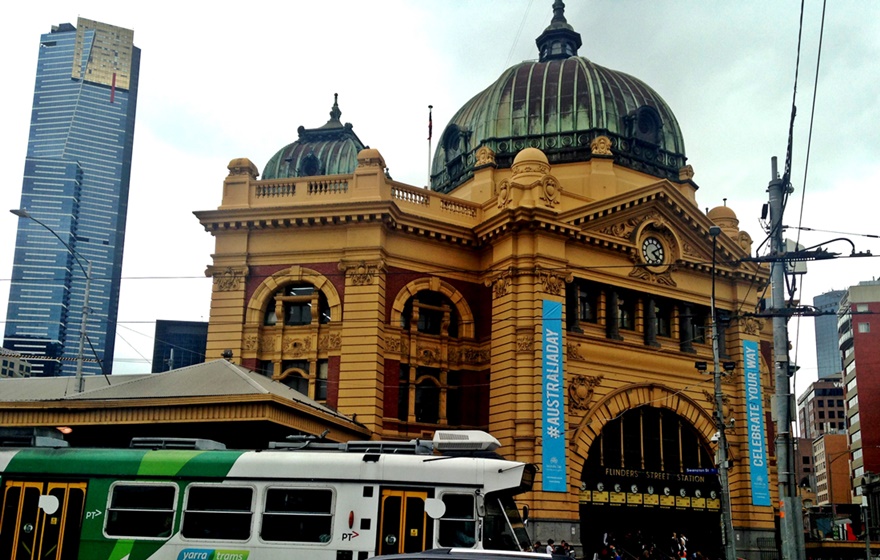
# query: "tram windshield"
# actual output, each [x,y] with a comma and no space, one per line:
[503,528]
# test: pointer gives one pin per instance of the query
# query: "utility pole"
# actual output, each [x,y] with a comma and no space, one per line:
[790,511]
[720,421]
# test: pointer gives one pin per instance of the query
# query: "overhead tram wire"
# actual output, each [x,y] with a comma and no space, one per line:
[806,171]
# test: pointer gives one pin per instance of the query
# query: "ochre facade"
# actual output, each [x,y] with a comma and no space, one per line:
[412,310]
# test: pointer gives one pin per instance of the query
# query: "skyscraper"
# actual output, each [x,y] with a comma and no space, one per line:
[827,346]
[76,181]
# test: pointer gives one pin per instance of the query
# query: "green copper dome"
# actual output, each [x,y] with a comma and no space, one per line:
[329,150]
[559,105]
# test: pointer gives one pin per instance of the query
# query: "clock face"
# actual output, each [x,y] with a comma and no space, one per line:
[652,251]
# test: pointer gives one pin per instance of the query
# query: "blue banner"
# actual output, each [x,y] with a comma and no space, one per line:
[553,417]
[755,425]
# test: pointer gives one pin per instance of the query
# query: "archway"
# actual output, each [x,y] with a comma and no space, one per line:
[649,474]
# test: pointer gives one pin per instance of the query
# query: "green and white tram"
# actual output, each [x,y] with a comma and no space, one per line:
[295,500]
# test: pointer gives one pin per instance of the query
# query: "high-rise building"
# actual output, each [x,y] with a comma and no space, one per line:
[179,344]
[76,181]
[859,331]
[828,361]
[821,409]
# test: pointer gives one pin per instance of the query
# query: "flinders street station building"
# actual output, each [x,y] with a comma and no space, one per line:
[552,286]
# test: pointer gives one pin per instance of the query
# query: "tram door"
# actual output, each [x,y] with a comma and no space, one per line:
[404,526]
[41,520]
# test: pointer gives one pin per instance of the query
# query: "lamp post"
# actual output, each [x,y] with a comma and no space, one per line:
[87,270]
[729,541]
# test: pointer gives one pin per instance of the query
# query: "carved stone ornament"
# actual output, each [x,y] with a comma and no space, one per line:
[689,250]
[725,405]
[501,283]
[470,356]
[553,284]
[243,166]
[580,391]
[622,230]
[331,341]
[362,273]
[749,325]
[428,355]
[550,190]
[485,156]
[525,344]
[662,278]
[502,190]
[393,344]
[251,343]
[266,343]
[297,347]
[573,352]
[228,279]
[686,173]
[601,146]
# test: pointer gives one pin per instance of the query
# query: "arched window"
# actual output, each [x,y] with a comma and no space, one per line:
[295,375]
[299,304]
[433,312]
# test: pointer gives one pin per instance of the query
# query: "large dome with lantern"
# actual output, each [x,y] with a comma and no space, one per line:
[560,104]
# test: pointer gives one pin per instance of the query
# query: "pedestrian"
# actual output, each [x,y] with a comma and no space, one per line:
[538,547]
[550,547]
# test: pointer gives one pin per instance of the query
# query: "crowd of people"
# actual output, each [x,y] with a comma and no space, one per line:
[637,546]
[560,549]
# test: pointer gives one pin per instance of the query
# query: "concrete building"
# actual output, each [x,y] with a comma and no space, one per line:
[76,179]
[821,408]
[831,456]
[859,333]
[553,287]
[13,365]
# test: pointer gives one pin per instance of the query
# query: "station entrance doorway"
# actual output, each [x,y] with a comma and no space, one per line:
[650,475]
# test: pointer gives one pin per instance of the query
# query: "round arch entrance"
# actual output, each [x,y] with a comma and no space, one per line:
[649,473]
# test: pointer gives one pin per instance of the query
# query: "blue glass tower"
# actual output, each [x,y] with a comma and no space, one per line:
[828,359]
[76,180]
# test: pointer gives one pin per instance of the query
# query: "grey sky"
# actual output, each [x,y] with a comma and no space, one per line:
[236,80]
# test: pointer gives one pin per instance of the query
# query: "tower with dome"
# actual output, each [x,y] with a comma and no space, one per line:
[551,287]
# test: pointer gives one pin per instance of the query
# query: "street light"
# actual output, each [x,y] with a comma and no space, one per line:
[87,270]
[720,424]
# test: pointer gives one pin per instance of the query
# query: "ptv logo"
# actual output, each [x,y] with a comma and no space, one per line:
[350,536]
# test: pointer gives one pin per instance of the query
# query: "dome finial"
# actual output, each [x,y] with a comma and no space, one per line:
[559,40]
[335,113]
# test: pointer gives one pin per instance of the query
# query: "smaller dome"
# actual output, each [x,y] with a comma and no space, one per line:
[530,154]
[722,213]
[329,150]
[725,218]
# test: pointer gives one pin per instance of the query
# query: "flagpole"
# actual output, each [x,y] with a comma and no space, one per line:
[430,130]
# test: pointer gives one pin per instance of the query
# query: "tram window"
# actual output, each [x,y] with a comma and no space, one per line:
[141,510]
[298,515]
[218,512]
[458,524]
